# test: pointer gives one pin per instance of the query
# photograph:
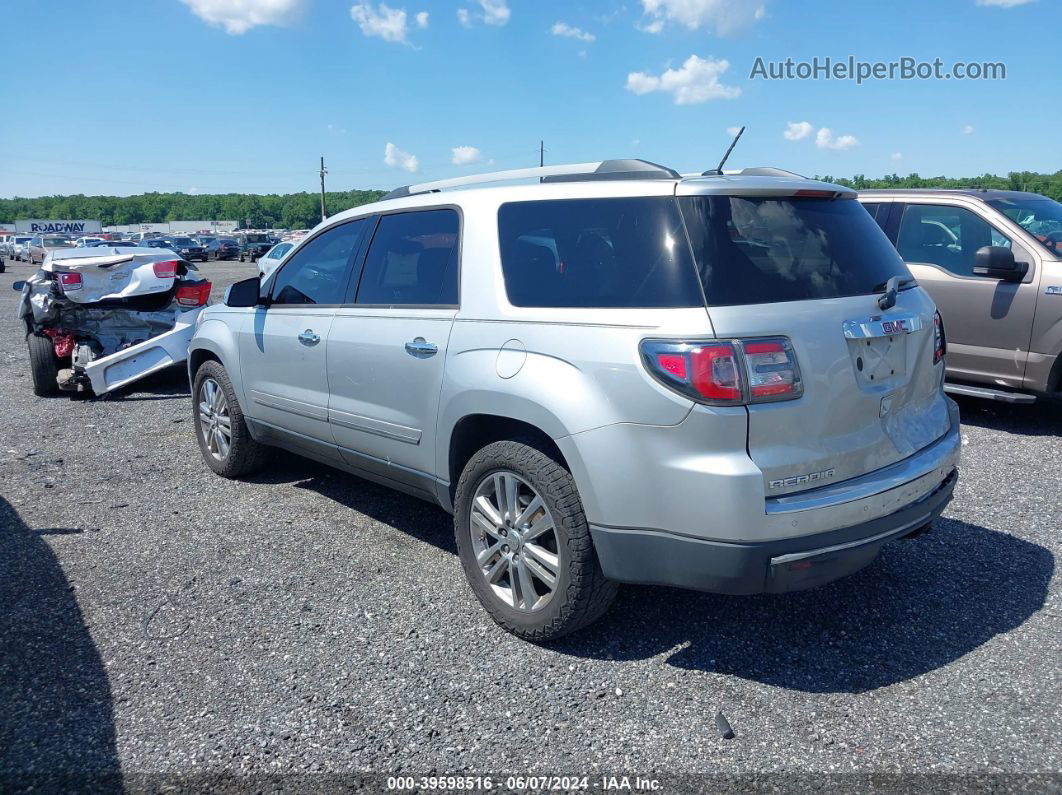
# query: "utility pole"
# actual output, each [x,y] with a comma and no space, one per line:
[541,153]
[323,172]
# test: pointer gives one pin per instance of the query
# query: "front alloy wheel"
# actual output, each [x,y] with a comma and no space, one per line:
[514,540]
[214,419]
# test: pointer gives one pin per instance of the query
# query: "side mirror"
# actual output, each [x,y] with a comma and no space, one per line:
[243,293]
[997,262]
[21,283]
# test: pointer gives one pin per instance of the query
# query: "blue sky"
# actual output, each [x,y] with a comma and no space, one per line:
[106,96]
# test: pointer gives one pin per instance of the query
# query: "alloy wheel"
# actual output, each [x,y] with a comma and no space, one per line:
[214,419]
[515,542]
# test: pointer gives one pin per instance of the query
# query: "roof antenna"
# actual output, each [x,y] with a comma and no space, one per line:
[718,170]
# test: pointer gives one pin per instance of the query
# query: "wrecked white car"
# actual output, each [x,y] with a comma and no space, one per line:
[101,318]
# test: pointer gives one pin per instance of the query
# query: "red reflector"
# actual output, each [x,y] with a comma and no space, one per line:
[165,270]
[196,294]
[70,281]
[672,363]
[715,373]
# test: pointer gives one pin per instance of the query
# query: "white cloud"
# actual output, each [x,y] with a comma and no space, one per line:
[726,16]
[1003,3]
[239,16]
[896,156]
[824,140]
[571,32]
[466,155]
[495,12]
[732,131]
[967,129]
[422,19]
[697,81]
[393,156]
[797,130]
[383,21]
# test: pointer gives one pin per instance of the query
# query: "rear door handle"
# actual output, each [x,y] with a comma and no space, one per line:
[309,338]
[419,348]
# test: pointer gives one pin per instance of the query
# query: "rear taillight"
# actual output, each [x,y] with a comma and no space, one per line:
[165,270]
[940,340]
[729,372]
[70,281]
[194,294]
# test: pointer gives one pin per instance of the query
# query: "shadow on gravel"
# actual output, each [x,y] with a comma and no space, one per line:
[1042,418]
[416,518]
[923,604]
[56,722]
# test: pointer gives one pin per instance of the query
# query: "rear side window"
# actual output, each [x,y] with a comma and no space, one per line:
[767,250]
[412,260]
[623,252]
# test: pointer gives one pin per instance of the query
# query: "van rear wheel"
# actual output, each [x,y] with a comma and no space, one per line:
[525,544]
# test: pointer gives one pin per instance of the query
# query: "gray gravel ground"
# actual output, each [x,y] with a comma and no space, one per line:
[155,618]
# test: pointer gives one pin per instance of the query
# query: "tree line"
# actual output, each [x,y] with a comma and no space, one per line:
[303,210]
[259,211]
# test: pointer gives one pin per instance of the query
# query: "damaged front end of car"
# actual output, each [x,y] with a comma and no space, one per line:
[109,316]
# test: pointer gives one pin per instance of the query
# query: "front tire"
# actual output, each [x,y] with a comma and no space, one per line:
[224,439]
[44,365]
[525,544]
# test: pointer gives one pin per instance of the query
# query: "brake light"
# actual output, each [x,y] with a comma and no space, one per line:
[729,372]
[940,339]
[194,294]
[70,281]
[814,194]
[165,270]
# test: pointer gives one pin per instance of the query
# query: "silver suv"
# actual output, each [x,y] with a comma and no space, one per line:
[615,374]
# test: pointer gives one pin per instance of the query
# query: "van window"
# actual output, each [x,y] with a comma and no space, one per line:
[766,250]
[412,260]
[622,252]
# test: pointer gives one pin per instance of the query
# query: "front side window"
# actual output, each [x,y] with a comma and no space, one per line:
[317,273]
[1040,217]
[948,237]
[767,250]
[412,260]
[620,253]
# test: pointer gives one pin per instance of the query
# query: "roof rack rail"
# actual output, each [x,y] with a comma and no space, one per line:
[755,171]
[572,172]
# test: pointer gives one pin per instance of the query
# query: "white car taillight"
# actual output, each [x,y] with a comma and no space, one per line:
[726,373]
[70,281]
[165,270]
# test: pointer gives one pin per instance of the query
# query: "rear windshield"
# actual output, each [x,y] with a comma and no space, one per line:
[623,252]
[766,250]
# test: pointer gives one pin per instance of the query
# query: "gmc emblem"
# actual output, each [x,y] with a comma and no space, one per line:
[894,326]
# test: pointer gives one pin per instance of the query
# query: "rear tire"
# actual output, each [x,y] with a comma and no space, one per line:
[579,593]
[44,365]
[220,428]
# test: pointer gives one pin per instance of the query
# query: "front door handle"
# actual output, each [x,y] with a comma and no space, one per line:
[419,348]
[309,338]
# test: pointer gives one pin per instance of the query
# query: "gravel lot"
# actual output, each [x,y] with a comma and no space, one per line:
[157,619]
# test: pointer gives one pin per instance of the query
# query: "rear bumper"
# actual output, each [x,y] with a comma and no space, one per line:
[790,564]
[147,357]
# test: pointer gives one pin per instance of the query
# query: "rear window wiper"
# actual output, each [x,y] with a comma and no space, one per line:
[880,288]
